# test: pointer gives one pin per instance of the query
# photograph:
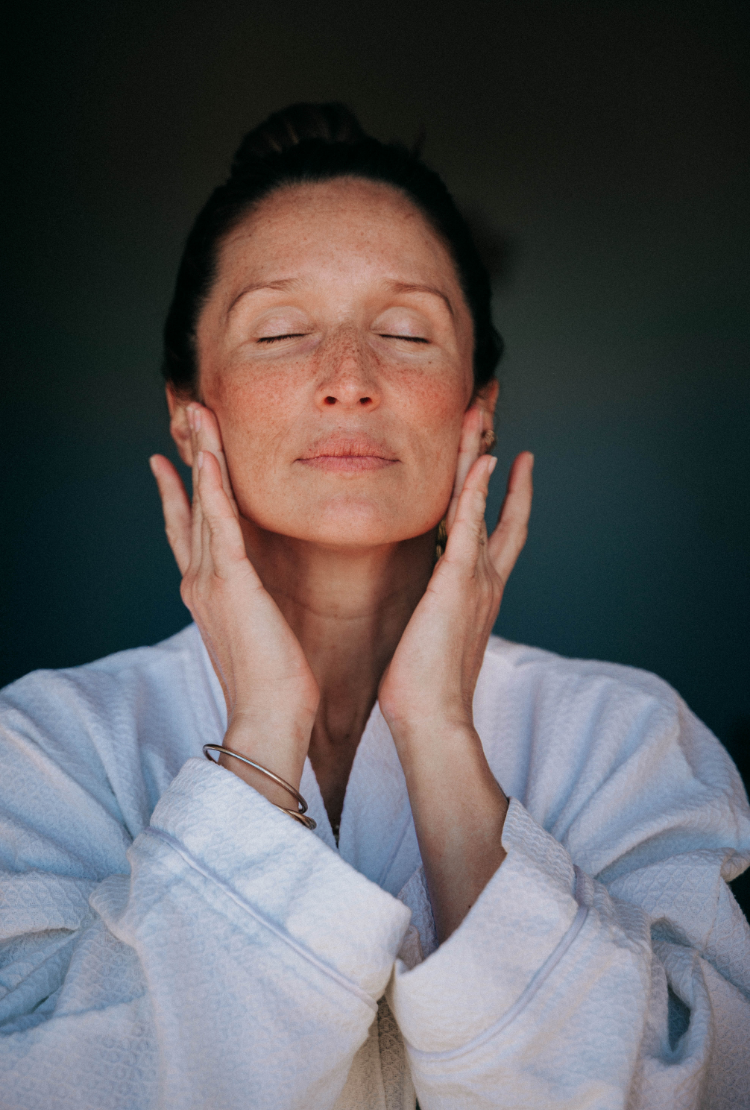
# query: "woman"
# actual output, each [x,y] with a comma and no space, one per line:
[428,860]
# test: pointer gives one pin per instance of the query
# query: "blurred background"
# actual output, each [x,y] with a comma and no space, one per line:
[602,151]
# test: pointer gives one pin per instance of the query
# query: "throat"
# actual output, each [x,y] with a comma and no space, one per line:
[332,753]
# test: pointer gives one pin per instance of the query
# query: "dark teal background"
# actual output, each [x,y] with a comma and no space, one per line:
[605,143]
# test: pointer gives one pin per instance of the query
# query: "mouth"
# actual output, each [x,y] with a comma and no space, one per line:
[348,455]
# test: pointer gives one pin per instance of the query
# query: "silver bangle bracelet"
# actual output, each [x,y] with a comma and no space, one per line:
[297,814]
[303,818]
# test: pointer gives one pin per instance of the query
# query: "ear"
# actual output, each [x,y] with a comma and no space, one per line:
[179,426]
[486,399]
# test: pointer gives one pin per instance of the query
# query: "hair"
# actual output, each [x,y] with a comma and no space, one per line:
[307,143]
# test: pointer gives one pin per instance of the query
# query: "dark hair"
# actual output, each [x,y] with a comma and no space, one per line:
[309,143]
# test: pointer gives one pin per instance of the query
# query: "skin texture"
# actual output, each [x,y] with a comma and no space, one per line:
[336,425]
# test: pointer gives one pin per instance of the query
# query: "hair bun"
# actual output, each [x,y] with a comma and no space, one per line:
[299,123]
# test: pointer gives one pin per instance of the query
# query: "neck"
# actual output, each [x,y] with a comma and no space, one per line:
[348,608]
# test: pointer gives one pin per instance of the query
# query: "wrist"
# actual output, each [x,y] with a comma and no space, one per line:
[279,746]
[444,728]
[445,761]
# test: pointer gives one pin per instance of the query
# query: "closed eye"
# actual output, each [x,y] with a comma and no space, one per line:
[275,338]
[408,338]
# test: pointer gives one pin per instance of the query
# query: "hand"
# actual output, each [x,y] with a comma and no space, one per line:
[430,681]
[427,692]
[270,691]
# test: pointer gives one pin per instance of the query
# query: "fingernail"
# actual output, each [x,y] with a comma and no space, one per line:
[197,419]
[493,464]
[151,462]
[199,460]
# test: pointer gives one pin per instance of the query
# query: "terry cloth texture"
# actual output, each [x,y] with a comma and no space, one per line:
[171,940]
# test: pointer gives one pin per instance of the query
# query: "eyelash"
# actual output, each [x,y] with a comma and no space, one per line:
[274,338]
[300,334]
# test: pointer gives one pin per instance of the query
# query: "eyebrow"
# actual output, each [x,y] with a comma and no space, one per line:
[284,283]
[290,283]
[412,287]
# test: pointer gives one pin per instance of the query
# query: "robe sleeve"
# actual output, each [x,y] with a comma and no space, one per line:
[630,989]
[230,959]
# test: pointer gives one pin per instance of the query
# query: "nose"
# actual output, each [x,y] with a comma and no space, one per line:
[347,376]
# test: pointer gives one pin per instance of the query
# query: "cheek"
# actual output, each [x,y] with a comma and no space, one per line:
[256,414]
[434,411]
[253,411]
[261,414]
[433,404]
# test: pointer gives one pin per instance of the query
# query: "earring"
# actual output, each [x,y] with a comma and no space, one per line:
[441,539]
[489,439]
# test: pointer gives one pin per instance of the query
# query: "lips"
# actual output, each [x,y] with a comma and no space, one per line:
[348,454]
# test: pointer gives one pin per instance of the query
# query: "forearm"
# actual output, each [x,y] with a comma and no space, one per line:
[222,956]
[459,810]
[554,993]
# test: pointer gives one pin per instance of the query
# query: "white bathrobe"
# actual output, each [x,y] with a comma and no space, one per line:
[171,940]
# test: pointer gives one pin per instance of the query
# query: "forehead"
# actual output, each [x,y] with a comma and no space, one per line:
[347,224]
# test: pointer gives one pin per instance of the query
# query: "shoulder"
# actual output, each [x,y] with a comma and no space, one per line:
[117,686]
[605,702]
[605,754]
[121,726]
[599,700]
[525,662]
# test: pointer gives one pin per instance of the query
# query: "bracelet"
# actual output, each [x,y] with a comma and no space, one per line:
[297,814]
[301,817]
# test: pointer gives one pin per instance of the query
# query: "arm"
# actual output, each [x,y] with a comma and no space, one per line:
[560,991]
[229,958]
[427,692]
[187,968]
[550,988]
[270,691]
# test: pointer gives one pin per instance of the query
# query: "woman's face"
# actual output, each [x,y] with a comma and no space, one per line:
[335,350]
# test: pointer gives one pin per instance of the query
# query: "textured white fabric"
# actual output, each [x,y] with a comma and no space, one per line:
[171,940]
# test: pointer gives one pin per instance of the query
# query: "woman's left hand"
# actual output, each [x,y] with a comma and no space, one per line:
[427,692]
[431,679]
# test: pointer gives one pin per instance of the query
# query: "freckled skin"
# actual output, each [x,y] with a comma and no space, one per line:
[352,362]
[335,352]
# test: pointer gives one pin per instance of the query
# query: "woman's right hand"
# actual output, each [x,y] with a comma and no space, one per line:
[270,691]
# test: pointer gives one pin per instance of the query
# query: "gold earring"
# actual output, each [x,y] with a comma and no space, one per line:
[489,439]
[441,539]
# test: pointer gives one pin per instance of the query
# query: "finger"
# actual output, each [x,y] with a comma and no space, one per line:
[206,566]
[469,532]
[468,452]
[506,542]
[176,508]
[208,438]
[224,546]
[196,536]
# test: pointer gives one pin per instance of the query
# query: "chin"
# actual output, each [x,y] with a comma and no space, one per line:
[351,524]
